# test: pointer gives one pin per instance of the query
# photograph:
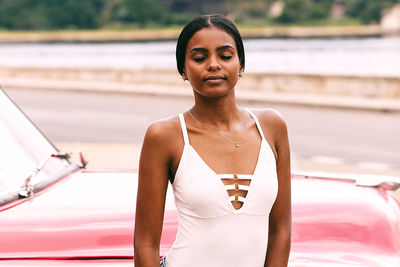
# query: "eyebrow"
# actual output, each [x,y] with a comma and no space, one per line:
[202,49]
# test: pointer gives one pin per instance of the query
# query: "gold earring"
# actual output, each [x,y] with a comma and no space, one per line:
[240,74]
[184,78]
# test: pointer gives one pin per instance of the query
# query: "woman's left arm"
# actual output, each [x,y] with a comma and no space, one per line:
[280,220]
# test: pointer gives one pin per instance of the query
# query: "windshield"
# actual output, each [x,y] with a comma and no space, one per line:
[22,148]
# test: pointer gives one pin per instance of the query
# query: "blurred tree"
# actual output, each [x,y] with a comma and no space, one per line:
[182,11]
[14,14]
[179,6]
[368,10]
[201,7]
[295,11]
[249,11]
[300,11]
[72,13]
[92,14]
[141,12]
[320,9]
[50,14]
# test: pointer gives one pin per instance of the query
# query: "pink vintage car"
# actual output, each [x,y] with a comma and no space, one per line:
[56,213]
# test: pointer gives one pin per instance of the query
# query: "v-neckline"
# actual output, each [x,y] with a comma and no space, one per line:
[222,185]
[216,174]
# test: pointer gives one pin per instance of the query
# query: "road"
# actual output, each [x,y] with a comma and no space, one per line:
[368,140]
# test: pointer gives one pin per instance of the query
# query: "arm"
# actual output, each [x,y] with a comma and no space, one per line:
[152,187]
[280,220]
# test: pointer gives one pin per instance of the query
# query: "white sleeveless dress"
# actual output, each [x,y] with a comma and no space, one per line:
[211,232]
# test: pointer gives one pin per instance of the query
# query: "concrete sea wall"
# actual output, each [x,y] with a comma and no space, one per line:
[288,83]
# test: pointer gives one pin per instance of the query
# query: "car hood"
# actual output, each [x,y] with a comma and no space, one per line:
[336,223]
[88,214]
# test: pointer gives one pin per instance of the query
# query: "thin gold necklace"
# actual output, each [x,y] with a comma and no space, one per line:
[223,136]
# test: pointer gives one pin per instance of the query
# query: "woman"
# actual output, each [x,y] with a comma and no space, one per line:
[229,166]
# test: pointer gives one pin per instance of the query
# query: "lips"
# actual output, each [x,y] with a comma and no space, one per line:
[214,78]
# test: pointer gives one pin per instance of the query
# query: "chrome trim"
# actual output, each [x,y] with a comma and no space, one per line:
[384,182]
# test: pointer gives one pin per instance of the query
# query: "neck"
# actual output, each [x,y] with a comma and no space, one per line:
[220,113]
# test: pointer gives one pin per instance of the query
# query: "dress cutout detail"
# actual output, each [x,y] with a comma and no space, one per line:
[210,229]
[236,185]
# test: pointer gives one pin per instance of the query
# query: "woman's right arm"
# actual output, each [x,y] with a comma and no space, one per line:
[152,187]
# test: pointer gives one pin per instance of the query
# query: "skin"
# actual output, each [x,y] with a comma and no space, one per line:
[212,67]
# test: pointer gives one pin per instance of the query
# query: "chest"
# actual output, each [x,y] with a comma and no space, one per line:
[201,192]
[222,155]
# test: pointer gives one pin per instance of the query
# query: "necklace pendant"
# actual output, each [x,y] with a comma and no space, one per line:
[237,145]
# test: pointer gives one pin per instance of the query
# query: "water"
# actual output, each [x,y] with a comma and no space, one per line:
[370,56]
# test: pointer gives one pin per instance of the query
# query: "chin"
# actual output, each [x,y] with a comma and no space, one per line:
[214,92]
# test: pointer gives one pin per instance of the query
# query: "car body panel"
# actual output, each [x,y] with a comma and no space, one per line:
[73,219]
[91,215]
[336,223]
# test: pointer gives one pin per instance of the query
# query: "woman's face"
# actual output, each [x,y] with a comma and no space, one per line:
[212,64]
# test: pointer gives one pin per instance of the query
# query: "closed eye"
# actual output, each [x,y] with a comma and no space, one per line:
[199,59]
[226,57]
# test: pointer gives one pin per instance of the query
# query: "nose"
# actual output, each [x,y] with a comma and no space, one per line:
[213,64]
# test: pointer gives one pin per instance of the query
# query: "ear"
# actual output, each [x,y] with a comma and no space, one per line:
[184,76]
[241,72]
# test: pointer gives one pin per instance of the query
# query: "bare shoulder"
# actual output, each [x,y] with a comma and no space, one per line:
[162,139]
[161,150]
[271,119]
[163,134]
[275,131]
[162,129]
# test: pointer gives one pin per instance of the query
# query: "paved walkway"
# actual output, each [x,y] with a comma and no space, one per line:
[126,156]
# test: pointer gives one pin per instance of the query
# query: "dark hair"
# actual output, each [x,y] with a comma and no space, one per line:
[207,21]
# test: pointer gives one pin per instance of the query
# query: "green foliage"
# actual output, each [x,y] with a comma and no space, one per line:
[368,10]
[93,14]
[295,11]
[141,12]
[238,18]
[49,14]
[255,12]
[321,9]
[13,13]
[177,18]
[301,11]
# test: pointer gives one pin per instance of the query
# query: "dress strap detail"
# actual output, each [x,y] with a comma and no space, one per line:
[237,198]
[257,122]
[184,130]
[239,186]
[232,176]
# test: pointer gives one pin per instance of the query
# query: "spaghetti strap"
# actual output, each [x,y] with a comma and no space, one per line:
[184,130]
[257,122]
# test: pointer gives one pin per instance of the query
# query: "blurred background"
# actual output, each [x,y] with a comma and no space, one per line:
[93,74]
